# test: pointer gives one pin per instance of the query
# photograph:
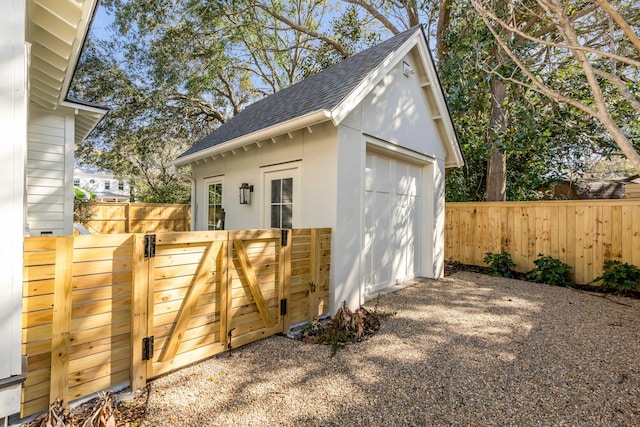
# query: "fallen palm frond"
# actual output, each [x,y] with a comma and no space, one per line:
[347,327]
[58,415]
[360,322]
[104,411]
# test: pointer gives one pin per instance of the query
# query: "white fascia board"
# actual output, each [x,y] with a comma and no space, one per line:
[310,119]
[82,107]
[342,110]
[82,29]
[443,110]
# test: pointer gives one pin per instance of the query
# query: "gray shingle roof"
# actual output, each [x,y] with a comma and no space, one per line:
[322,91]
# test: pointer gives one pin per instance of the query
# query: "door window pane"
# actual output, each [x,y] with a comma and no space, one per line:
[276,191]
[287,216]
[282,203]
[214,211]
[275,216]
[287,190]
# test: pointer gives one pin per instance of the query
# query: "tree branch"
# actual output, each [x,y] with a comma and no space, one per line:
[376,14]
[335,44]
[628,31]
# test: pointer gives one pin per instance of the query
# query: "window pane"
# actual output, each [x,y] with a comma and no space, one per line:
[214,210]
[275,190]
[275,216]
[215,194]
[287,216]
[287,190]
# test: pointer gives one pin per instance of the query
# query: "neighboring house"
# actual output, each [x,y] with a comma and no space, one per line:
[103,184]
[595,189]
[361,147]
[41,42]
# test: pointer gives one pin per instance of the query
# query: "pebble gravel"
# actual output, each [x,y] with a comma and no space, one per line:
[467,350]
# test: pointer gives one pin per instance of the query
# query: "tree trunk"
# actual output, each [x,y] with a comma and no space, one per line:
[497,164]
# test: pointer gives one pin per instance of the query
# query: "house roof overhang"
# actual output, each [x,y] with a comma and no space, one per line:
[301,122]
[56,30]
[87,117]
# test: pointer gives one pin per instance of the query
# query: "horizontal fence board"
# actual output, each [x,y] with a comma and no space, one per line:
[109,218]
[237,301]
[582,233]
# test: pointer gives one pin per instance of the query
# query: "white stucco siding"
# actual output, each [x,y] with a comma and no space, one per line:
[397,111]
[378,243]
[50,171]
[312,154]
[347,237]
[13,121]
[433,234]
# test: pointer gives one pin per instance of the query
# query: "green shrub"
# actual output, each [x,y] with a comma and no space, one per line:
[622,276]
[500,265]
[551,271]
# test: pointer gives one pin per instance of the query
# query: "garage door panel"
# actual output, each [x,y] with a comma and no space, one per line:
[392,215]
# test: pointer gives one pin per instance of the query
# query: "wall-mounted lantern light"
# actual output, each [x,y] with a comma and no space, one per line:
[245,193]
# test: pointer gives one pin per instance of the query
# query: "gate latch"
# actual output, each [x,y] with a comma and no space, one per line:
[229,346]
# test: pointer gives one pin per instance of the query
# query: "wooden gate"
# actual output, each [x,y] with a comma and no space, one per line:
[207,293]
[99,311]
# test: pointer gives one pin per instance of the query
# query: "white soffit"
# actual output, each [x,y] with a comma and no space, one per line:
[56,30]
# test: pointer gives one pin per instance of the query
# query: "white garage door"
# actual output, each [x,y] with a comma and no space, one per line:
[392,221]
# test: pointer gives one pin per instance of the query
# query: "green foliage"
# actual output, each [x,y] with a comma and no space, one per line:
[81,194]
[551,271]
[618,275]
[500,265]
[82,211]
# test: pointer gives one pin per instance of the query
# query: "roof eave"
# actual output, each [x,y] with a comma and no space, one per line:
[301,122]
[87,118]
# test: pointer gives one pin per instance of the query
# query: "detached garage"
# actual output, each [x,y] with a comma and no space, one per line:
[361,148]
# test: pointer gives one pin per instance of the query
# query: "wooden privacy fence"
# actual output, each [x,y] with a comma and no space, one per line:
[101,311]
[110,218]
[581,233]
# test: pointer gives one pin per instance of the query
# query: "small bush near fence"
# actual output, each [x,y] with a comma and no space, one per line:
[551,271]
[500,265]
[620,276]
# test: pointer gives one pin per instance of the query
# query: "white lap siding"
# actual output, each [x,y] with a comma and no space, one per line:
[50,172]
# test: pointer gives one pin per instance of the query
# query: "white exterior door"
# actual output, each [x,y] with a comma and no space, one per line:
[392,221]
[283,197]
[212,212]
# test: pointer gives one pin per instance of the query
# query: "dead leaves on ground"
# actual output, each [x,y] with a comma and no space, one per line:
[347,327]
[104,411]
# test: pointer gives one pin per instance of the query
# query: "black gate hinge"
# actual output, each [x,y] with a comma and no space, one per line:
[147,348]
[283,307]
[285,237]
[149,245]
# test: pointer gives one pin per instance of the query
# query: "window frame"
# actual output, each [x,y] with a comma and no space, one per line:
[207,183]
[293,171]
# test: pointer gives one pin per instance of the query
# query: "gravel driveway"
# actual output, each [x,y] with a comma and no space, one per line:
[466,350]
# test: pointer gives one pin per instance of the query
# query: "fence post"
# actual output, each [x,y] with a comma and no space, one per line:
[127,218]
[315,273]
[60,343]
[226,284]
[284,278]
[140,313]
